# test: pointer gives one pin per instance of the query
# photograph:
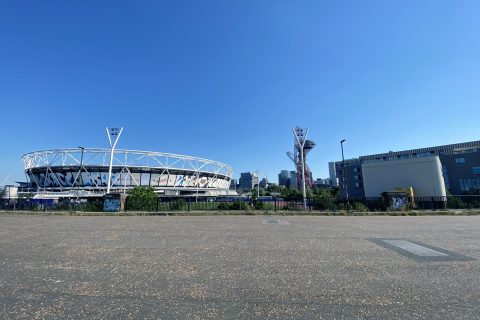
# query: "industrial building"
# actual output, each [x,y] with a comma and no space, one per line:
[457,166]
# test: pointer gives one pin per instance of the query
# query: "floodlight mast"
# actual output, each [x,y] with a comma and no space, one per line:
[115,134]
[301,143]
[302,147]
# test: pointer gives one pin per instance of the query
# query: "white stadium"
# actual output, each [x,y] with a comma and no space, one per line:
[85,172]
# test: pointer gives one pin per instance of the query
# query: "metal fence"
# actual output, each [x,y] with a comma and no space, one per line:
[246,204]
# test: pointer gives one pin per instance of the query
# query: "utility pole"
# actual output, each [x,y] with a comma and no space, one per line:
[113,136]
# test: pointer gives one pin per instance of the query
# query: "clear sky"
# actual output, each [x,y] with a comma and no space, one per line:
[227,80]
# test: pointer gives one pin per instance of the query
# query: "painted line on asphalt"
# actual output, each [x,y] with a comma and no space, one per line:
[418,251]
[415,248]
[275,221]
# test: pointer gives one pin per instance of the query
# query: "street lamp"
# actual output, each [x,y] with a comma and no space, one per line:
[79,172]
[345,176]
[258,183]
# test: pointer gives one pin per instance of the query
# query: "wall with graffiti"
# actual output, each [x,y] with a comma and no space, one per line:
[125,179]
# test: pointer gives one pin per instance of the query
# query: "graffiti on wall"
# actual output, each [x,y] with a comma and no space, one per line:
[99,179]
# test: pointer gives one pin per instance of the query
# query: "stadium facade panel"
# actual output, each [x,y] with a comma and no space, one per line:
[68,172]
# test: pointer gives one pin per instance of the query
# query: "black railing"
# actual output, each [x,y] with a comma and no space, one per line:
[247,204]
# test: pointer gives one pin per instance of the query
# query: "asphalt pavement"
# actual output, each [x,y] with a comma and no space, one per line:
[239,267]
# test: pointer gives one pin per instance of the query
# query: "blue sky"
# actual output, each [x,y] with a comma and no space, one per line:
[227,80]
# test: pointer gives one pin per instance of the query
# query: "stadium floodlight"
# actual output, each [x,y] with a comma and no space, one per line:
[302,147]
[301,142]
[113,136]
[79,172]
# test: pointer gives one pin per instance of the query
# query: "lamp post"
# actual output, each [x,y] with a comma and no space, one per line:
[258,183]
[345,176]
[79,172]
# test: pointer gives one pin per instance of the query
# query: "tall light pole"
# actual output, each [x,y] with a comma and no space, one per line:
[345,176]
[79,172]
[113,136]
[301,143]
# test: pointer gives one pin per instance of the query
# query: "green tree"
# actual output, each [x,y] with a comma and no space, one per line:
[324,199]
[142,198]
[275,188]
[291,194]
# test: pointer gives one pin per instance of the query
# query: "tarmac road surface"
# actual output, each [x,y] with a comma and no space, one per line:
[239,267]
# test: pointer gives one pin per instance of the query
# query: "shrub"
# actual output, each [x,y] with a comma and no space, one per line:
[238,205]
[95,206]
[142,198]
[223,206]
[291,206]
[358,206]
[178,204]
[455,203]
[324,202]
[258,205]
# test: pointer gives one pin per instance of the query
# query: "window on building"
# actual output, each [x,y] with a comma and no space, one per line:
[358,184]
[476,170]
[460,160]
[469,184]
[445,177]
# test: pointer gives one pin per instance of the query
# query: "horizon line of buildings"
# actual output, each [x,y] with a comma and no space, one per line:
[431,171]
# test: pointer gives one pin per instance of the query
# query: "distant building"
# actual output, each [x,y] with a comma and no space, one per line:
[353,181]
[233,184]
[10,192]
[333,174]
[288,179]
[293,180]
[459,165]
[323,182]
[248,180]
[264,183]
[284,178]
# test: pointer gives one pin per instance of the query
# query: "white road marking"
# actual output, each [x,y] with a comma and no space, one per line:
[275,221]
[415,248]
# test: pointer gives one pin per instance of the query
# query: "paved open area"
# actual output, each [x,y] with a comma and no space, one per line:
[239,267]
